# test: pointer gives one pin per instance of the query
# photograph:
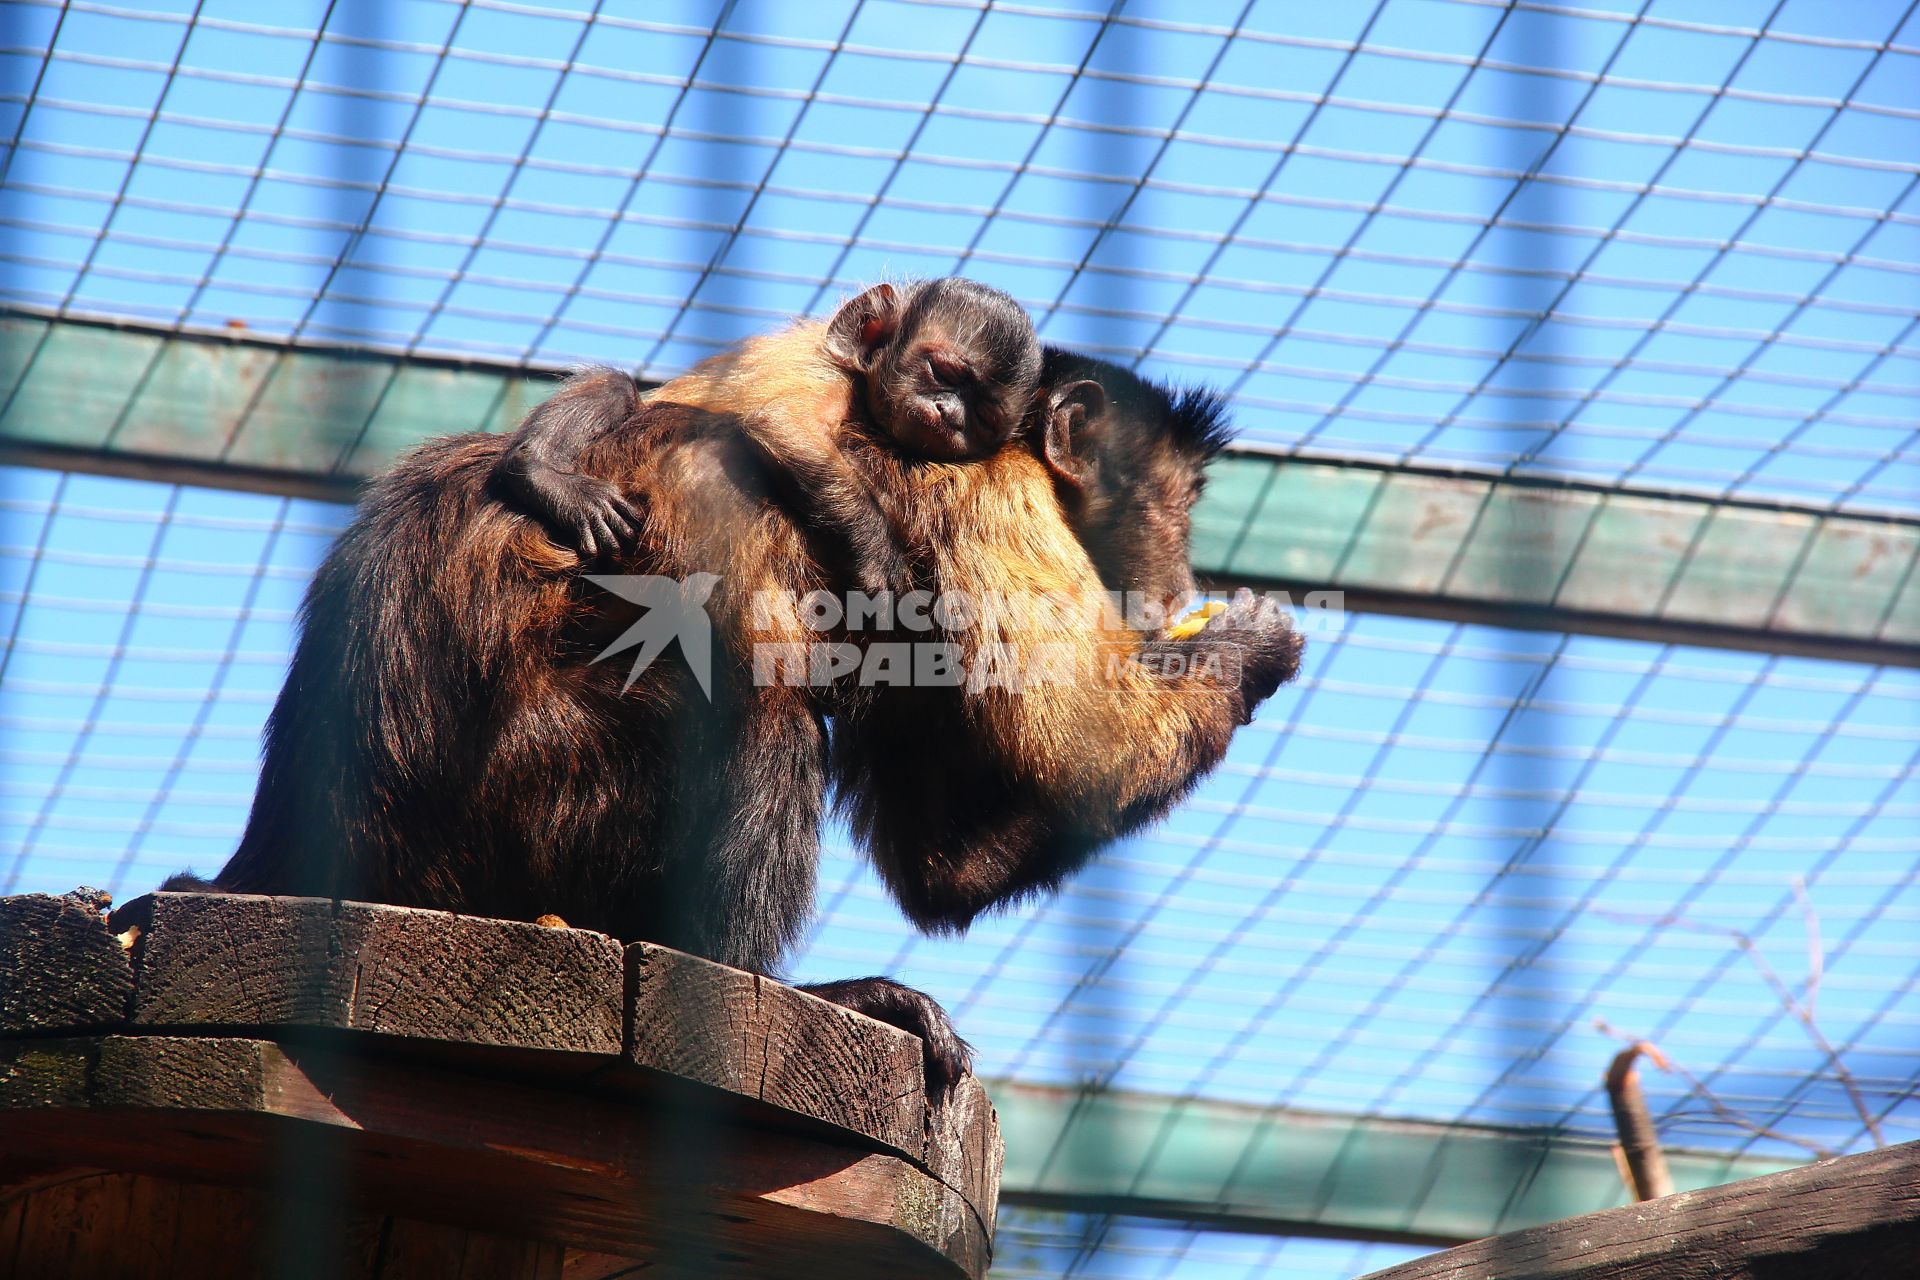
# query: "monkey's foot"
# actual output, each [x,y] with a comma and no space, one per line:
[551,921]
[948,1057]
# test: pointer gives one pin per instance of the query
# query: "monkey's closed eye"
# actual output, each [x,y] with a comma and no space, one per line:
[950,373]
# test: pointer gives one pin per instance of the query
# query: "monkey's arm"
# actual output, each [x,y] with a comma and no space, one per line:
[1025,785]
[830,495]
[539,473]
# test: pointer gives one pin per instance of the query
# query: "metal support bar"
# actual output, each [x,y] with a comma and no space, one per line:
[1551,555]
[1300,1172]
[230,411]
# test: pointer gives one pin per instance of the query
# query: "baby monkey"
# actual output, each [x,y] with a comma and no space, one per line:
[944,368]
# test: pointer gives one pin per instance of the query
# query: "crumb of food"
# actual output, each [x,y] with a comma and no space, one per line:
[1196,622]
[550,921]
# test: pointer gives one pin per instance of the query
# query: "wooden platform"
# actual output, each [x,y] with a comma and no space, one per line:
[300,1086]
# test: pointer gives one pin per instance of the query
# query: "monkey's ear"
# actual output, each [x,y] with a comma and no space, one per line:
[1069,442]
[864,325]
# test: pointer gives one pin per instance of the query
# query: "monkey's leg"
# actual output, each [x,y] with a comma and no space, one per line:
[742,885]
[742,889]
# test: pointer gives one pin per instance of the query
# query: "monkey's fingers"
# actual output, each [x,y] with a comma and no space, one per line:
[623,520]
[947,1056]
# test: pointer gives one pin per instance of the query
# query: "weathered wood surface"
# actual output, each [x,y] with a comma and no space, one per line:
[569,1167]
[88,1225]
[759,1039]
[60,970]
[1853,1218]
[239,960]
[267,1007]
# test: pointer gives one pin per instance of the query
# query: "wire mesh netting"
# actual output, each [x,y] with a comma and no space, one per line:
[1656,244]
[1030,1245]
[1670,244]
[1418,878]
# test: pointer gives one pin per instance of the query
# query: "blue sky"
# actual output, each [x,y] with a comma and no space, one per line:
[1667,252]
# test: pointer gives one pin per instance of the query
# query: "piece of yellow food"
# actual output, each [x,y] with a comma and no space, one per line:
[1196,622]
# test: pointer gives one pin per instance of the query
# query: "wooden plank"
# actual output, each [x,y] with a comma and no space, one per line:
[964,1149]
[397,977]
[1850,1217]
[240,960]
[760,1039]
[180,1072]
[435,1251]
[60,969]
[153,1213]
[139,1227]
[583,1264]
[548,1163]
[13,1212]
[46,1232]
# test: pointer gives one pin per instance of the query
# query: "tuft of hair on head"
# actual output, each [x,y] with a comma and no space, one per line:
[1199,420]
[1194,418]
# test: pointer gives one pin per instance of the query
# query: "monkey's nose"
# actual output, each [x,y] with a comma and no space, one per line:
[954,418]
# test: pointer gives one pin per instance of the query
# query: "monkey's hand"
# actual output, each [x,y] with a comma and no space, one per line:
[880,565]
[580,510]
[1269,646]
[948,1057]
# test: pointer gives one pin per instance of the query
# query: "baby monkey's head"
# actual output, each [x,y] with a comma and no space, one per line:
[950,365]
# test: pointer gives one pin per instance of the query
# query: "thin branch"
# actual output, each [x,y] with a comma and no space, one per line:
[1788,1001]
[1816,958]
[1698,1087]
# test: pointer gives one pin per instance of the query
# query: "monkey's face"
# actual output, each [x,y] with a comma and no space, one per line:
[954,375]
[1139,536]
[1131,457]
[938,398]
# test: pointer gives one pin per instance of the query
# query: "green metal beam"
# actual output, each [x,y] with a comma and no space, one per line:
[232,411]
[1567,556]
[1299,1172]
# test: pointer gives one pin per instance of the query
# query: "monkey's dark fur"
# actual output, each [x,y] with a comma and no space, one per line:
[445,740]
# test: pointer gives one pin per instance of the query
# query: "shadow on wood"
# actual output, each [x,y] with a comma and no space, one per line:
[311,1088]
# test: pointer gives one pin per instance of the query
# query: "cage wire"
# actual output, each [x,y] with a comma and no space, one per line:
[1666,245]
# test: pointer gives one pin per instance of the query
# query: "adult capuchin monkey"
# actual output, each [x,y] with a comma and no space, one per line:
[447,739]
